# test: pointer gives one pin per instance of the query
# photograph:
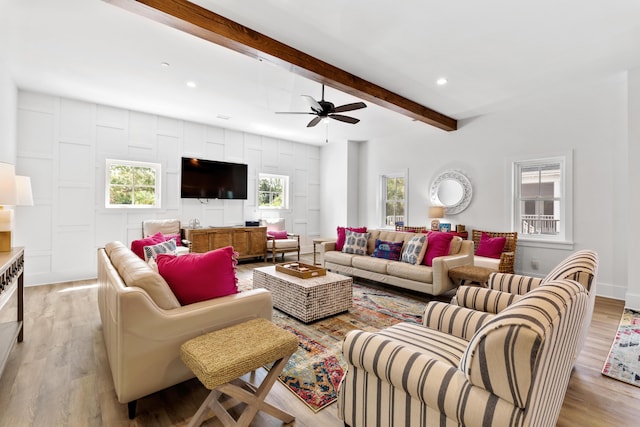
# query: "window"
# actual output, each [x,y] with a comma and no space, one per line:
[394,199]
[273,191]
[542,202]
[132,184]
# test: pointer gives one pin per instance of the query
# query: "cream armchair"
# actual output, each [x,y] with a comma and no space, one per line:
[465,367]
[282,246]
[166,226]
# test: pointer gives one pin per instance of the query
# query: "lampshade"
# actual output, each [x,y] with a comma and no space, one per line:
[436,212]
[7,184]
[23,190]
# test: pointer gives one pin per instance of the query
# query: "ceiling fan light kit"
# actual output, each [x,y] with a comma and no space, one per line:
[327,110]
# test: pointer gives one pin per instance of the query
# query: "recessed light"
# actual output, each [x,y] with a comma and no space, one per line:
[164,64]
[222,117]
[441,81]
[191,84]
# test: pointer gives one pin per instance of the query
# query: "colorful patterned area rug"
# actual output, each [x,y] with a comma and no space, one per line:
[623,363]
[316,369]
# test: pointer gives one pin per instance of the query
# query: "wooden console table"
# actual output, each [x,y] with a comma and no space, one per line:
[249,242]
[11,279]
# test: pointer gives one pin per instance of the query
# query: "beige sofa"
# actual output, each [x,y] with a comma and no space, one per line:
[432,280]
[144,325]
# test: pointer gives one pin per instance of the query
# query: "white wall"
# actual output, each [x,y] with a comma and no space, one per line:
[63,144]
[590,120]
[341,166]
[633,160]
[353,187]
[334,179]
[8,101]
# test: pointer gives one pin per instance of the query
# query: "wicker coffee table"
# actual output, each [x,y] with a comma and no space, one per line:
[306,299]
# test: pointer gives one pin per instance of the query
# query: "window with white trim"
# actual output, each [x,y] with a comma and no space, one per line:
[273,191]
[542,203]
[393,199]
[132,184]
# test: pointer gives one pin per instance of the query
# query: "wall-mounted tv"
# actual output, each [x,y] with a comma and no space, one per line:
[210,179]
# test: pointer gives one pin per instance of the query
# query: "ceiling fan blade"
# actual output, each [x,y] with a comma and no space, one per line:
[350,107]
[342,118]
[314,122]
[315,105]
[293,112]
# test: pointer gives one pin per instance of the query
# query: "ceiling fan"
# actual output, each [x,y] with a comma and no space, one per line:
[325,109]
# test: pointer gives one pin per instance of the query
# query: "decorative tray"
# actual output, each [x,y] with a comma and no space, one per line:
[298,269]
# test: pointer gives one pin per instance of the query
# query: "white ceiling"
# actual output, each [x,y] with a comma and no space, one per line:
[492,52]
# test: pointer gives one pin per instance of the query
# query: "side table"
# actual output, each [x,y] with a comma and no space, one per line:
[472,274]
[317,241]
[11,280]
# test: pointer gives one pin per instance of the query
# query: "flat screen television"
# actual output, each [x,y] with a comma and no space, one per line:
[210,179]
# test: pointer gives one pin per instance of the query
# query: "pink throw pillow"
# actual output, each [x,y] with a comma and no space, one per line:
[176,237]
[200,276]
[491,247]
[342,235]
[278,235]
[137,246]
[437,245]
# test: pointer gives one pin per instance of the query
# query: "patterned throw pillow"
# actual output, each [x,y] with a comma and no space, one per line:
[414,250]
[168,247]
[137,246]
[355,243]
[342,235]
[387,250]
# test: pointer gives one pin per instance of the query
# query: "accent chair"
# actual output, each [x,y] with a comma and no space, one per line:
[166,226]
[504,289]
[279,241]
[466,367]
[507,259]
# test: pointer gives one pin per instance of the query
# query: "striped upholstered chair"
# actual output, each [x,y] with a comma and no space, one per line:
[503,289]
[471,368]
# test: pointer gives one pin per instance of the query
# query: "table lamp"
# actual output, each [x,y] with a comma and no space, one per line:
[24,195]
[435,213]
[8,196]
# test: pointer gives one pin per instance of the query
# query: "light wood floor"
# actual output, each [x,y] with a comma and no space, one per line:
[59,376]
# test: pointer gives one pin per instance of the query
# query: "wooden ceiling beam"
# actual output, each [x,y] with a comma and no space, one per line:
[203,23]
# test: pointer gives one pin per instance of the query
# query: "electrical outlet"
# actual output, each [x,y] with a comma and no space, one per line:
[534,263]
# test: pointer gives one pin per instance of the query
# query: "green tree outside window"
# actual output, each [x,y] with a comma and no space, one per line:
[133,184]
[393,192]
[273,191]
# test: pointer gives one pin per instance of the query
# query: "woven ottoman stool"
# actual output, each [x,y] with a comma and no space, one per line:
[221,357]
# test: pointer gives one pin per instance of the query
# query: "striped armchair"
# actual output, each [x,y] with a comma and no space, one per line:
[466,367]
[504,289]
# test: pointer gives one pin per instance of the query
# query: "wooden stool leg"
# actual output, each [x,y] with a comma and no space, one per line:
[203,410]
[255,401]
